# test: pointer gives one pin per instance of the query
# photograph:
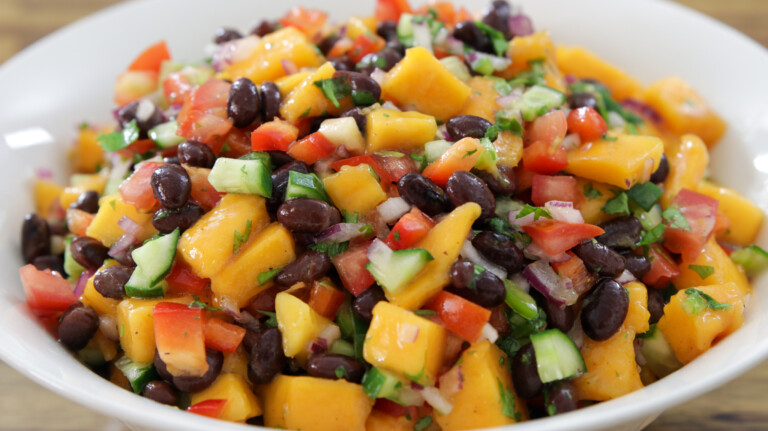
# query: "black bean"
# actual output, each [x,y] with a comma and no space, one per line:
[387,30]
[365,90]
[308,267]
[307,215]
[462,126]
[420,191]
[396,45]
[267,357]
[327,43]
[77,326]
[280,183]
[385,60]
[637,265]
[171,186]
[462,273]
[243,103]
[621,232]
[363,303]
[525,376]
[342,63]
[335,366]
[223,35]
[35,237]
[600,259]
[110,282]
[264,28]
[196,154]
[270,100]
[662,171]
[582,100]
[463,187]
[279,158]
[557,317]
[158,390]
[166,221]
[58,227]
[130,112]
[87,201]
[214,358]
[502,184]
[561,398]
[88,252]
[604,309]
[655,305]
[358,115]
[469,33]
[500,250]
[497,16]
[488,290]
[54,262]
[173,160]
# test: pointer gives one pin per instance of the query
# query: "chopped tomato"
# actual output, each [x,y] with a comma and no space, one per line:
[341,47]
[588,123]
[177,88]
[202,191]
[369,160]
[46,292]
[461,156]
[180,338]
[210,408]
[541,158]
[78,220]
[312,148]
[134,85]
[274,135]
[577,272]
[559,188]
[137,189]
[390,10]
[550,128]
[151,59]
[722,223]
[663,268]
[411,227]
[463,15]
[137,147]
[460,316]
[181,280]
[351,268]
[555,237]
[325,298]
[237,143]
[396,167]
[700,211]
[204,117]
[524,178]
[365,44]
[223,336]
[445,11]
[308,21]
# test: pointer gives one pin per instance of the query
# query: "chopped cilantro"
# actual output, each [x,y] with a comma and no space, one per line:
[271,322]
[112,203]
[197,303]
[504,124]
[396,235]
[226,148]
[366,230]
[507,399]
[332,248]
[265,276]
[241,238]
[421,161]
[341,372]
[118,140]
[532,76]
[704,271]
[335,88]
[350,218]
[162,215]
[610,138]
[305,114]
[423,423]
[363,98]
[424,313]
[631,129]
[617,204]
[469,153]
[653,235]
[590,192]
[502,87]
[537,212]
[697,301]
[675,218]
[646,194]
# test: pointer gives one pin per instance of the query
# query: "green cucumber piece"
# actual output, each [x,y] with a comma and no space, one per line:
[378,383]
[137,373]
[488,159]
[405,28]
[259,155]
[241,176]
[457,67]
[658,354]
[519,301]
[434,149]
[165,135]
[649,219]
[341,347]
[305,186]
[537,101]
[394,269]
[753,258]
[71,267]
[557,356]
[153,261]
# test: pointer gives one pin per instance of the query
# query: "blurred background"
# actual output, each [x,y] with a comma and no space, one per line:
[739,406]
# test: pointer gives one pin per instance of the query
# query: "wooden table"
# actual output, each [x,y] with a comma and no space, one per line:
[740,406]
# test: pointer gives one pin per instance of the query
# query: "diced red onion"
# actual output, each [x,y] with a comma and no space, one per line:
[329,334]
[522,221]
[417,387]
[378,75]
[422,35]
[44,173]
[564,211]
[452,381]
[571,141]
[643,109]
[392,209]
[318,346]
[468,251]
[434,398]
[233,51]
[341,232]
[520,25]
[498,63]
[108,327]
[544,279]
[82,281]
[378,251]
[229,306]
[289,67]
[534,252]
[129,226]
[441,36]
[521,282]
[442,133]
[576,333]
[489,333]
[570,78]
[454,46]
[131,229]
[506,102]
[626,277]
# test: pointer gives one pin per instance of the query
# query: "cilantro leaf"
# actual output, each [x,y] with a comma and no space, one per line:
[590,192]
[334,88]
[704,271]
[423,423]
[697,301]
[116,141]
[241,238]
[653,235]
[617,204]
[504,124]
[537,212]
[675,218]
[332,248]
[265,276]
[507,399]
[271,322]
[197,303]
[341,372]
[424,313]
[502,87]
[366,230]
[350,218]
[646,194]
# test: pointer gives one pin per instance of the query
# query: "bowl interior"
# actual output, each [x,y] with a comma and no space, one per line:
[67,78]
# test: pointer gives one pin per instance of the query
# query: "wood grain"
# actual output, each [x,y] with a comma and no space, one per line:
[739,406]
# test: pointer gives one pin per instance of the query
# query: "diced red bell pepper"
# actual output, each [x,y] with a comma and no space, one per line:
[541,158]
[210,408]
[365,44]
[577,272]
[151,59]
[411,227]
[180,338]
[311,148]
[367,159]
[549,128]
[274,135]
[78,221]
[460,316]
[663,268]
[137,189]
[390,10]
[204,117]
[701,213]
[588,123]
[547,188]
[238,144]
[446,13]
[202,191]
[177,88]
[555,237]
[524,178]
[351,268]
[181,280]
[325,299]
[46,292]
[222,336]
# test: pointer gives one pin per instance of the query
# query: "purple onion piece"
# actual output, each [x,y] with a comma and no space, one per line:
[520,25]
[544,279]
[341,232]
[83,281]
[643,109]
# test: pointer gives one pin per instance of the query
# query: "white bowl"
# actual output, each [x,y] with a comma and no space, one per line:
[48,89]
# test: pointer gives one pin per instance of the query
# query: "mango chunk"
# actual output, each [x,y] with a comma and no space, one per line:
[388,129]
[92,298]
[592,207]
[623,162]
[509,149]
[137,328]
[47,193]
[523,50]
[241,404]
[444,242]
[111,209]
[746,217]
[354,189]
[298,323]
[236,363]
[687,163]
[315,404]
[238,280]
[482,100]
[401,341]
[683,110]
[692,333]
[266,60]
[421,82]
[583,64]
[87,154]
[380,421]
[480,403]
[287,83]
[637,314]
[208,245]
[307,100]
[724,270]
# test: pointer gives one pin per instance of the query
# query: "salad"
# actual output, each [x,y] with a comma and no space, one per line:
[423,219]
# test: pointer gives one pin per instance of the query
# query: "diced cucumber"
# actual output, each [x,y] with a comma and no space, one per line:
[91,355]
[118,172]
[537,101]
[342,347]
[658,354]
[71,267]
[434,149]
[259,155]
[137,373]
[153,261]
[753,258]
[378,383]
[405,28]
[165,135]
[168,67]
[305,186]
[488,159]
[520,301]
[352,327]
[241,176]
[505,205]
[649,219]
[457,67]
[557,357]
[394,269]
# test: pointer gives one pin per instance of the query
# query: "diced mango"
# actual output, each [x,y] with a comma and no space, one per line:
[307,100]
[724,270]
[354,189]
[315,404]
[298,323]
[136,326]
[238,280]
[209,244]
[746,217]
[637,314]
[523,50]
[236,363]
[266,60]
[444,242]
[356,27]
[689,334]
[484,389]
[93,182]
[380,421]
[241,403]
[287,83]
[401,341]
[683,110]
[111,209]
[623,162]
[92,298]
[87,154]
[509,149]
[583,64]
[687,163]
[592,208]
[107,347]
[482,99]
[388,129]
[47,193]
[421,82]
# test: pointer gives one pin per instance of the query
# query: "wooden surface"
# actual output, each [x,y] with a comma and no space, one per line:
[742,405]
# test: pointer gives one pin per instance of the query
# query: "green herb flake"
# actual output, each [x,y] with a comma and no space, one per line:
[646,195]
[468,153]
[653,235]
[116,141]
[334,89]
[502,87]
[271,322]
[305,114]
[590,192]
[225,149]
[265,276]
[241,238]
[422,423]
[396,235]
[112,203]
[341,372]
[507,399]
[697,301]
[198,303]
[499,42]
[424,313]
[704,271]
[332,248]
[619,204]
[607,138]
[366,230]
[675,218]
[350,218]
[537,212]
